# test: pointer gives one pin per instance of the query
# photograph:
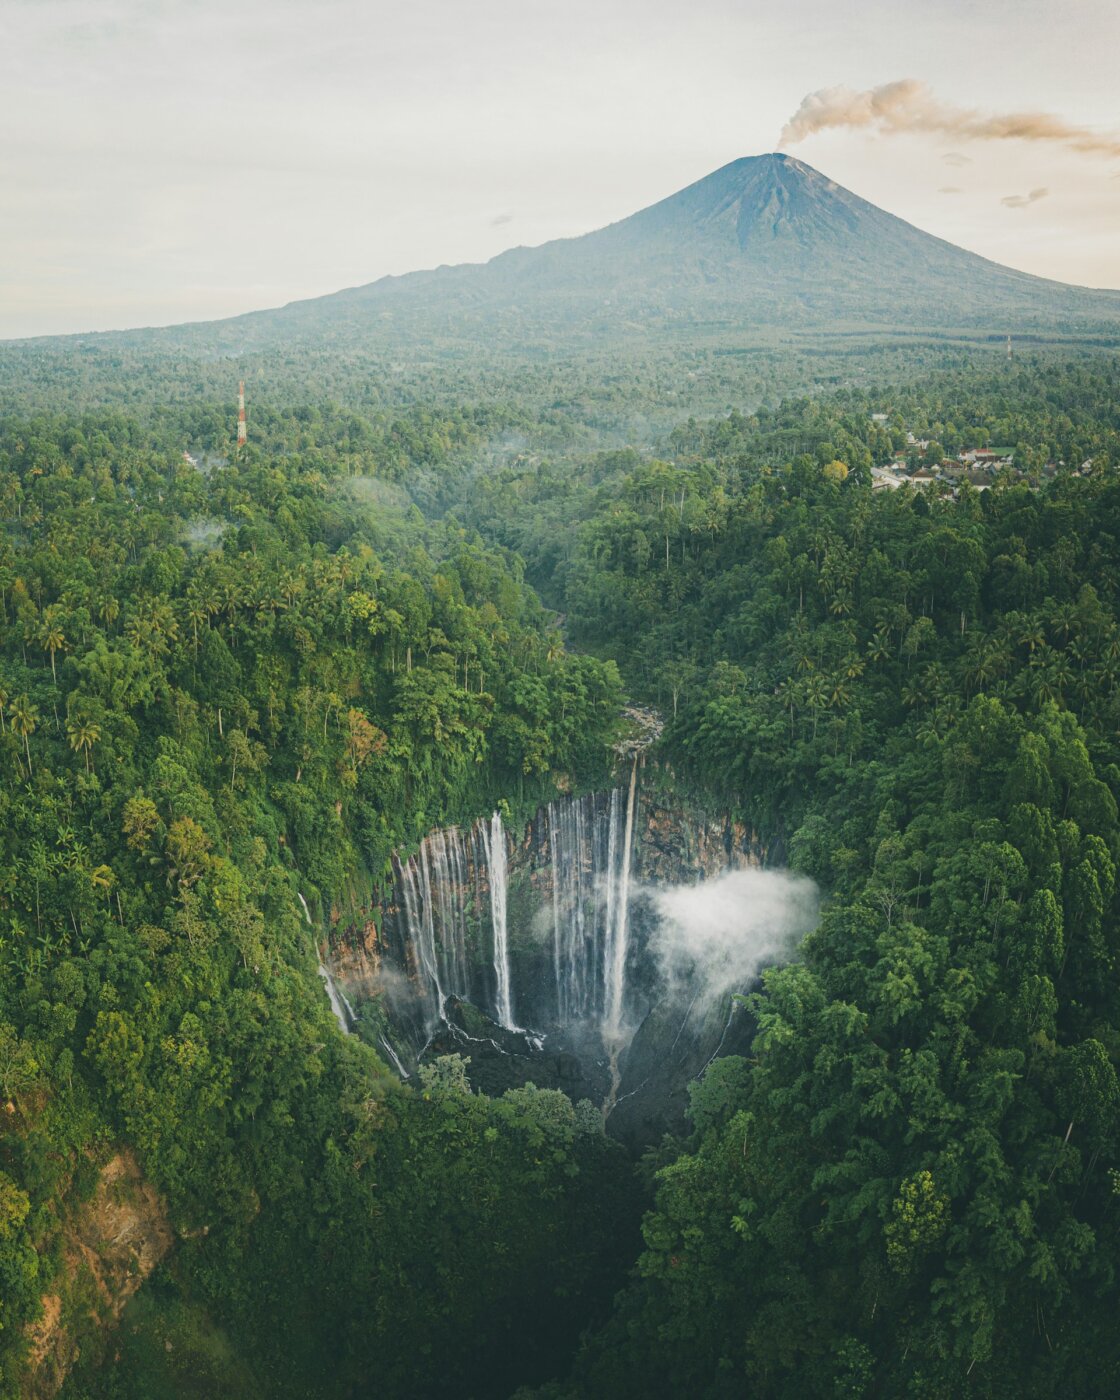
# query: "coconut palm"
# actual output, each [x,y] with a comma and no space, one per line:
[84,733]
[24,717]
[51,636]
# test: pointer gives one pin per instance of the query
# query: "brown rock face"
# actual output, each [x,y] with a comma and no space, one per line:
[111,1245]
[679,845]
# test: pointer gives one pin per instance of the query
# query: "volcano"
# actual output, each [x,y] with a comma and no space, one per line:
[765,244]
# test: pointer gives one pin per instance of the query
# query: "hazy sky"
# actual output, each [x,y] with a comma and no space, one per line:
[171,160]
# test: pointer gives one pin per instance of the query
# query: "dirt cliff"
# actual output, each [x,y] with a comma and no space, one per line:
[111,1244]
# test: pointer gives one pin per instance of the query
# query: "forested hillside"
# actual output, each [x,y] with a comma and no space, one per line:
[910,1187]
[230,681]
[221,690]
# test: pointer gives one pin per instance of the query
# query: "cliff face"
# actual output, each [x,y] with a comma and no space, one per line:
[675,842]
[679,843]
[560,868]
[110,1246]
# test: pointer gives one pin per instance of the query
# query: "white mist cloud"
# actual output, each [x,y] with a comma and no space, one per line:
[949,189]
[955,158]
[1020,201]
[373,491]
[909,106]
[718,935]
[204,534]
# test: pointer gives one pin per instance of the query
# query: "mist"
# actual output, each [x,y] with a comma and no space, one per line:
[373,491]
[720,934]
[204,534]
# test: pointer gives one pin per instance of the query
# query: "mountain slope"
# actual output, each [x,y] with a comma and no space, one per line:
[764,245]
[763,242]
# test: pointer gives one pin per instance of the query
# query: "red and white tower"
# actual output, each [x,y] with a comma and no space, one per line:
[241,429]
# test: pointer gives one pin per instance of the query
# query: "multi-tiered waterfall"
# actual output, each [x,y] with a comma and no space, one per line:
[598,950]
[454,924]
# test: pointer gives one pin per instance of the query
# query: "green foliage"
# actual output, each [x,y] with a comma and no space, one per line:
[219,686]
[908,1189]
[198,723]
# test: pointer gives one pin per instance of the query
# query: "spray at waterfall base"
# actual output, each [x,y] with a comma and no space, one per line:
[612,924]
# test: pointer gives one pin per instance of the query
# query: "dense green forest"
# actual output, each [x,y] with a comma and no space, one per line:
[544,397]
[220,690]
[911,1186]
[230,681]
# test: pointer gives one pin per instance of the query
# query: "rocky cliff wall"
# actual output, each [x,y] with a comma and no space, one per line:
[111,1244]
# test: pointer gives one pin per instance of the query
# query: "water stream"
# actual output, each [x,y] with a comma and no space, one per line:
[343,1011]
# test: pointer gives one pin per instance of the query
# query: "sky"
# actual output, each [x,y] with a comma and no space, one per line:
[173,160]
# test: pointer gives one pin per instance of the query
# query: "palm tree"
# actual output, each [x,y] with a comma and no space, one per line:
[84,733]
[878,649]
[913,694]
[291,586]
[816,697]
[101,878]
[51,636]
[787,697]
[853,667]
[1063,620]
[24,719]
[198,615]
[1032,635]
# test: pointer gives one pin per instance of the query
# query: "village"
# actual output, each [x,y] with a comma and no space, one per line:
[978,467]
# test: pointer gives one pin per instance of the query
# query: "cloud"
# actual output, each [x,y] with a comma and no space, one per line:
[1020,201]
[499,219]
[955,158]
[719,935]
[949,189]
[910,106]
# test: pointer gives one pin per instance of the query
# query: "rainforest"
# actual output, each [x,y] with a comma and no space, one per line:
[489,913]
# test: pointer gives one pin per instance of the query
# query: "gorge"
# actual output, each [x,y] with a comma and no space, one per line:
[599,950]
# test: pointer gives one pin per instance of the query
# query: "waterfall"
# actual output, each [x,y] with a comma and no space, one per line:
[386,1045]
[339,1005]
[416,900]
[569,929]
[448,884]
[344,1013]
[590,850]
[454,886]
[618,936]
[494,839]
[334,998]
[581,855]
[443,889]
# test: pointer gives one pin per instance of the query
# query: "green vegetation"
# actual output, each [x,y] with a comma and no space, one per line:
[911,1187]
[224,686]
[218,690]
